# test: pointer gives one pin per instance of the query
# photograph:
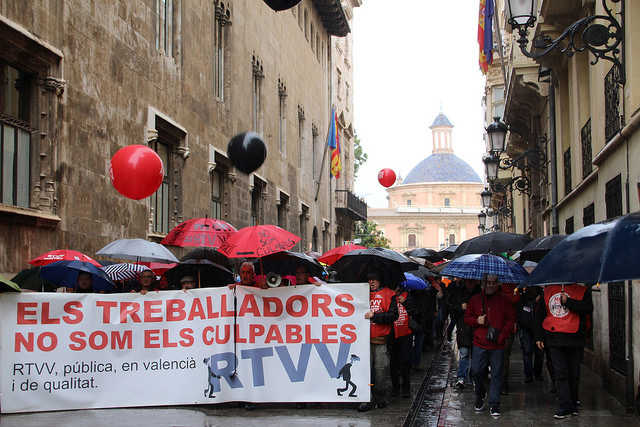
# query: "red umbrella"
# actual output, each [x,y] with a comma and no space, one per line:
[258,241]
[335,254]
[200,232]
[62,255]
[158,268]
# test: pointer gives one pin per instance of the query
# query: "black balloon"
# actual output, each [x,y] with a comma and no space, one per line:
[281,4]
[247,151]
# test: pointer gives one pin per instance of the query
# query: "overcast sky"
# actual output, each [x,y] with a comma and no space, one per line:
[409,57]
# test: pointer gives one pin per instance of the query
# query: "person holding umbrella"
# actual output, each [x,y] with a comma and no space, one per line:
[492,317]
[563,330]
[84,284]
[458,302]
[383,312]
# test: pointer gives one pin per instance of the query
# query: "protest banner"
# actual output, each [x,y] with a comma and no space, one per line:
[292,344]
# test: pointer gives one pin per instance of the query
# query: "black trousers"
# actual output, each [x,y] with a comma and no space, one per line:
[400,362]
[566,367]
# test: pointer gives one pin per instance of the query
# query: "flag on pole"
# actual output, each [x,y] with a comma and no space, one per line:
[485,34]
[334,145]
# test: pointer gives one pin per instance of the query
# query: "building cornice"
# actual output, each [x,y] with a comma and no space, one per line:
[333,17]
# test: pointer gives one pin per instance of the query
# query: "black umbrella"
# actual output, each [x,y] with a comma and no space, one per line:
[428,254]
[209,254]
[494,243]
[423,273]
[286,262]
[538,248]
[577,259]
[448,253]
[206,273]
[354,266]
[30,279]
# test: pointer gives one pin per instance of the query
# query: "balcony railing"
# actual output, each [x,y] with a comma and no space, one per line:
[351,205]
[585,137]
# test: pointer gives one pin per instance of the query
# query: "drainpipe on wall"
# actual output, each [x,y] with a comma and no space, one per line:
[554,166]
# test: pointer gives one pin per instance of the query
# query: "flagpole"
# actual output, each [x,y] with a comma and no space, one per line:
[324,156]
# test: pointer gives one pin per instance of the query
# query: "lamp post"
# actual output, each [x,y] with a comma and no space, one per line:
[485,196]
[497,135]
[602,35]
[491,167]
[482,219]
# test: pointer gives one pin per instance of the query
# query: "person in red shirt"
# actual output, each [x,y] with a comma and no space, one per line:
[492,317]
[401,340]
[383,312]
[509,291]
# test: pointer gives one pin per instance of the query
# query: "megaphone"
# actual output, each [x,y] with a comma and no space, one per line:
[279,5]
[273,280]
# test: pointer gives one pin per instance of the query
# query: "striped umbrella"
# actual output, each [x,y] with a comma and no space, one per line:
[475,266]
[124,271]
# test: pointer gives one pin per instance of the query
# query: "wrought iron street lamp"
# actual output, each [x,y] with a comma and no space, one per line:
[602,35]
[481,229]
[497,133]
[491,167]
[482,219]
[486,198]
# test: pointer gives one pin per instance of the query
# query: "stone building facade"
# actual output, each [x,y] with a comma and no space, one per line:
[80,80]
[438,203]
[584,120]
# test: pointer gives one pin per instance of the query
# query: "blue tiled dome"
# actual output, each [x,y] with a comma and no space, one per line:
[442,167]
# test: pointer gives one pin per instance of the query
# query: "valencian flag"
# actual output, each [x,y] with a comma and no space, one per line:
[334,145]
[485,34]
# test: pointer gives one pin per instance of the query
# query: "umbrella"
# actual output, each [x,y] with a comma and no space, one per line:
[428,254]
[286,262]
[354,266]
[538,248]
[62,255]
[620,257]
[313,254]
[574,260]
[495,242]
[124,271]
[476,266]
[206,273]
[518,271]
[210,254]
[30,279]
[448,252]
[413,283]
[137,250]
[335,254]
[200,232]
[8,285]
[159,268]
[258,241]
[422,272]
[65,273]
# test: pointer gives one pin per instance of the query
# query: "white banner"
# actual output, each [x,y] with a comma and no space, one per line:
[293,344]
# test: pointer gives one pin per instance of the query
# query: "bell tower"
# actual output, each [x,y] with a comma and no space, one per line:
[442,131]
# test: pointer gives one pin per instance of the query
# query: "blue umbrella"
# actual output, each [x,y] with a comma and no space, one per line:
[414,283]
[65,273]
[517,270]
[577,259]
[476,266]
[620,257]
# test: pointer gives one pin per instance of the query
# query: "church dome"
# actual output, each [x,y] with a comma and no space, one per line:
[442,167]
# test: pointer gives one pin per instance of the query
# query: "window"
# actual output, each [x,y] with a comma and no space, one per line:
[567,171]
[497,101]
[306,24]
[217,193]
[588,215]
[220,20]
[282,118]
[613,122]
[452,239]
[164,26]
[408,202]
[160,199]
[339,82]
[568,226]
[325,237]
[300,134]
[585,137]
[411,241]
[283,208]
[257,194]
[303,219]
[613,197]
[447,202]
[314,240]
[314,149]
[258,75]
[15,136]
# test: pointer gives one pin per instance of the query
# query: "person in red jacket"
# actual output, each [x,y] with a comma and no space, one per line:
[383,312]
[510,293]
[401,343]
[491,316]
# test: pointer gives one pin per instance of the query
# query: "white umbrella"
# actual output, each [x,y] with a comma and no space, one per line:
[124,271]
[137,250]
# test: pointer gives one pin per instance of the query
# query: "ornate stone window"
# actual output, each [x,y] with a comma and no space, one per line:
[283,209]
[221,19]
[411,241]
[314,150]
[256,90]
[167,26]
[300,134]
[282,118]
[31,96]
[258,196]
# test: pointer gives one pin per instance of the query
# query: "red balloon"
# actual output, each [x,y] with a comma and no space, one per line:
[136,171]
[386,177]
